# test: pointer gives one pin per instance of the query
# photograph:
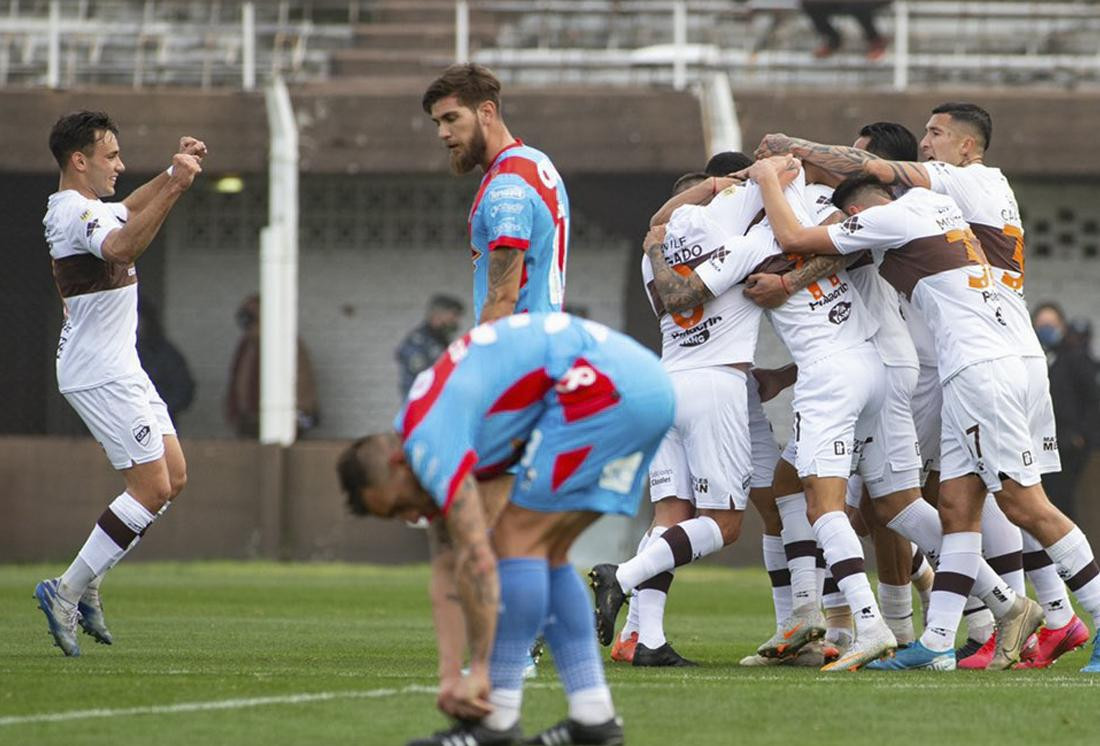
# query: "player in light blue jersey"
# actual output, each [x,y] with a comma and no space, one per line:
[580,409]
[519,222]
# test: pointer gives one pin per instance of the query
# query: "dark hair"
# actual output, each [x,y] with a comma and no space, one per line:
[472,84]
[971,114]
[441,302]
[353,476]
[729,162]
[851,188]
[1051,305]
[78,131]
[891,141]
[687,181]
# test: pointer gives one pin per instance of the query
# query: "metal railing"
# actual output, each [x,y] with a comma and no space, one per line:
[768,42]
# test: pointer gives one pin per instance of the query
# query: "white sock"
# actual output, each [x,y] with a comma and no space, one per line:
[979,620]
[1002,546]
[920,523]
[844,554]
[685,542]
[960,553]
[651,617]
[1050,591]
[632,611]
[506,706]
[897,609]
[775,562]
[800,547]
[1077,566]
[591,706]
[114,533]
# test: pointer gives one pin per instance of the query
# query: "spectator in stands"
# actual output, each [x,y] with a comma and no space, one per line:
[166,366]
[242,404]
[1076,397]
[420,347]
[820,12]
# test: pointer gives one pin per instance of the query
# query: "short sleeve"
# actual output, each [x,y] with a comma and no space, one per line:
[961,184]
[97,222]
[881,227]
[508,213]
[733,209]
[733,262]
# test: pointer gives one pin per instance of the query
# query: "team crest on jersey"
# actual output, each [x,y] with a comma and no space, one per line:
[91,227]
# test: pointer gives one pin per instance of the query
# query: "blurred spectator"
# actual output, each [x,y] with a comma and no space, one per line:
[166,366]
[1076,397]
[242,404]
[820,12]
[420,347]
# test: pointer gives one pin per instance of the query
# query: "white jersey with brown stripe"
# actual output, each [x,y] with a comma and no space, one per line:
[989,206]
[99,335]
[723,330]
[927,252]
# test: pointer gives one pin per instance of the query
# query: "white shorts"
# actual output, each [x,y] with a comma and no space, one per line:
[890,459]
[765,451]
[127,417]
[927,406]
[985,425]
[1040,411]
[706,456]
[836,402]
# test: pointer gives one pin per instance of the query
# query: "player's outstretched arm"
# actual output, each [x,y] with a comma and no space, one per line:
[125,245]
[844,161]
[700,194]
[140,197]
[792,236]
[772,291]
[678,292]
[505,272]
[479,591]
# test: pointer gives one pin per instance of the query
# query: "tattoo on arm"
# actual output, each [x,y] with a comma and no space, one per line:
[678,292]
[505,270]
[846,161]
[475,570]
[814,269]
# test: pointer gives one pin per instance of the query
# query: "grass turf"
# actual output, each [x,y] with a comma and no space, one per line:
[344,654]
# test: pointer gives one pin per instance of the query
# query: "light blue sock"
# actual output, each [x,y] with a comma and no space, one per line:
[571,632]
[524,599]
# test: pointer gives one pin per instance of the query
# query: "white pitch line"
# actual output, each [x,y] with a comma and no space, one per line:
[221,704]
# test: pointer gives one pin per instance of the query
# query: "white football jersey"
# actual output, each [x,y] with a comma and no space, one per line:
[925,249]
[98,342]
[892,338]
[824,318]
[989,205]
[723,330]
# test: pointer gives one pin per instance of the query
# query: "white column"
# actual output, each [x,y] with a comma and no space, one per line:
[901,45]
[248,46]
[679,45]
[279,276]
[462,31]
[53,59]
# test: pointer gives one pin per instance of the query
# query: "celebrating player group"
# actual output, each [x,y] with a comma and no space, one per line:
[892,271]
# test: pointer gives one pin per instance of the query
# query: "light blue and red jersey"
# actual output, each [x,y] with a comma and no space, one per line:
[522,204]
[580,408]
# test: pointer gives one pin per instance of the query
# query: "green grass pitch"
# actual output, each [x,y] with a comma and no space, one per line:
[258,653]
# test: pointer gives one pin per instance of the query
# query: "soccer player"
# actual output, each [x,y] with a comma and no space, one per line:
[705,467]
[581,409]
[956,139]
[519,222]
[925,249]
[94,245]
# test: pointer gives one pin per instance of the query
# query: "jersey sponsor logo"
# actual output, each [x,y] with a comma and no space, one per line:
[700,485]
[509,227]
[91,228]
[826,299]
[1050,444]
[840,313]
[840,448]
[696,335]
[660,477]
[851,225]
[505,192]
[1028,459]
[507,207]
[85,215]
